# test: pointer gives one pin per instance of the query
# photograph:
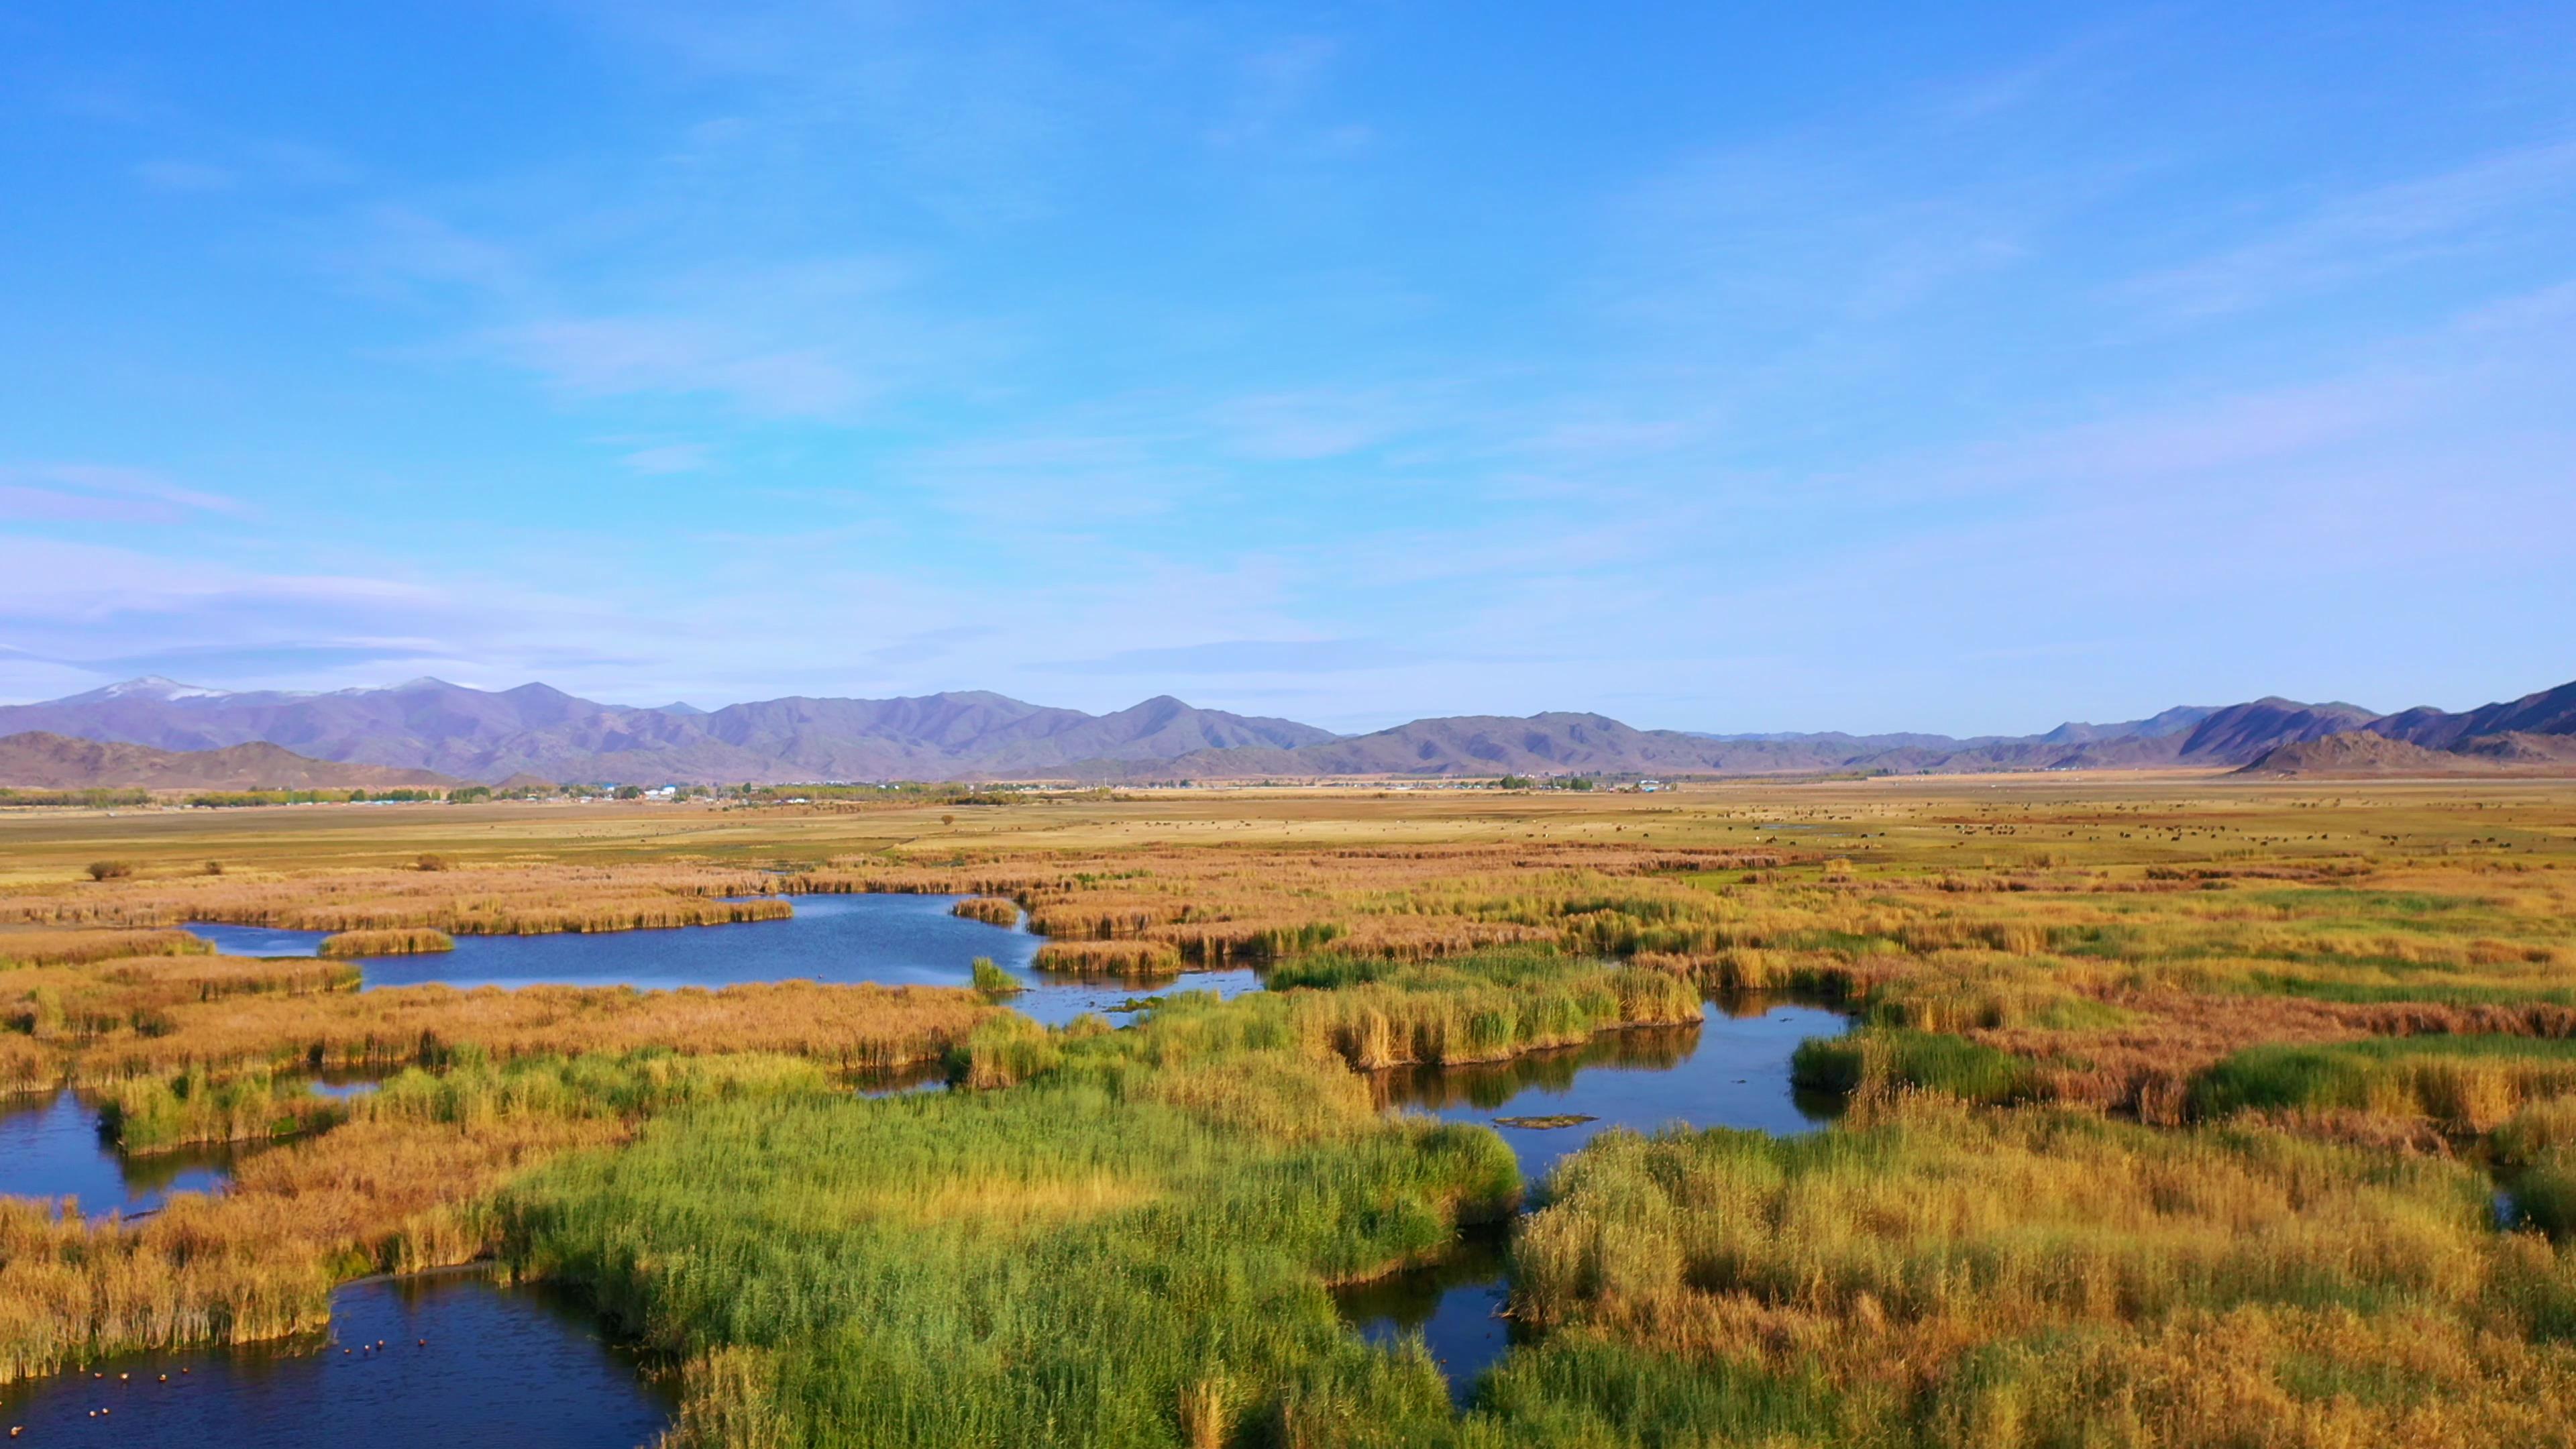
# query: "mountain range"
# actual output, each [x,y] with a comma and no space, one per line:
[36,760]
[541,732]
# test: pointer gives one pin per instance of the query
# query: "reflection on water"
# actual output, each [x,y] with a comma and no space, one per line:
[512,1366]
[1455,1304]
[342,1083]
[895,940]
[904,1081]
[1731,1070]
[51,1148]
[257,940]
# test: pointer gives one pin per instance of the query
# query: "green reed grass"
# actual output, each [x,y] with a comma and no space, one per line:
[1129,1246]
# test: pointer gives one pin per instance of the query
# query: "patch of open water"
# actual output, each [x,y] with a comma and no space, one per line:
[465,1361]
[1731,1070]
[50,1147]
[893,940]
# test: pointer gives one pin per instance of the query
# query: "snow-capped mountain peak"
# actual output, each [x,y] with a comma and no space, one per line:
[153,686]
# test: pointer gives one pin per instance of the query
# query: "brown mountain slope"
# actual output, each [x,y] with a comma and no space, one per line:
[2360,753]
[37,760]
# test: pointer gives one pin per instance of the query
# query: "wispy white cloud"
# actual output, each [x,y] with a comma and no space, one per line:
[1244,656]
[92,492]
[618,356]
[667,458]
[2370,231]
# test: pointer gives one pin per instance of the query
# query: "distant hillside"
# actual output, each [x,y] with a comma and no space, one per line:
[2550,712]
[1586,744]
[2368,753]
[538,732]
[36,760]
[2360,752]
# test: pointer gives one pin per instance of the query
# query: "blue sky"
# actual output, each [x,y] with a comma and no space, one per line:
[1716,367]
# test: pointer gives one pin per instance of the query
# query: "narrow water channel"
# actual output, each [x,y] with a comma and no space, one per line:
[1455,1305]
[1731,1070]
[465,1362]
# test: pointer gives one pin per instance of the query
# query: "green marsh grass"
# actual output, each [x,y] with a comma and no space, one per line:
[1131,1245]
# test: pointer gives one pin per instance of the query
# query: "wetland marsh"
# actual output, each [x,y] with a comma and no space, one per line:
[1474,1169]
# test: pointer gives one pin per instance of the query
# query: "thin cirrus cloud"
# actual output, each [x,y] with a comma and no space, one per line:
[830,348]
[98,493]
[668,458]
[2366,232]
[1244,656]
[285,657]
[612,356]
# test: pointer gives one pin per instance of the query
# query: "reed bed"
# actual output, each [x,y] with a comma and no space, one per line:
[402,941]
[155,1115]
[72,1007]
[1947,1275]
[991,910]
[2465,1085]
[1131,1246]
[528,899]
[403,1185]
[1109,958]
[849,1029]
[37,946]
[1481,1008]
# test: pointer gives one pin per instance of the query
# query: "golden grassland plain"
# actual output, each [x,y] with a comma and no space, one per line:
[2179,1103]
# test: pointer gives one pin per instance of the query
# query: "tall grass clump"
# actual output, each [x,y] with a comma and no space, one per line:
[395,941]
[1110,958]
[155,1115]
[1483,1007]
[992,982]
[1883,1060]
[2462,1084]
[1945,1274]
[1130,1247]
[991,910]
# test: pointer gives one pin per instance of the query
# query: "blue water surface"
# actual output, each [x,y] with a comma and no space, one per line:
[50,1148]
[514,1366]
[894,940]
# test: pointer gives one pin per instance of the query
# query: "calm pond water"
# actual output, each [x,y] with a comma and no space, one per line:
[50,1147]
[514,1366]
[1456,1305]
[1731,1070]
[896,940]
